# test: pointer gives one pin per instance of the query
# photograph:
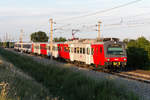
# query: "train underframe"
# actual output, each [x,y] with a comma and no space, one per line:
[109,66]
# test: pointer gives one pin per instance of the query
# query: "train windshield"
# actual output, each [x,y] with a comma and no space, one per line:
[115,50]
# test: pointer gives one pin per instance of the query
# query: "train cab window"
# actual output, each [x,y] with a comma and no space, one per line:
[115,50]
[101,49]
[74,50]
[80,50]
[83,50]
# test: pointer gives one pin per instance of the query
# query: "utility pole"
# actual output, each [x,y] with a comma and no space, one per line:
[21,34]
[6,37]
[21,38]
[74,32]
[99,32]
[51,37]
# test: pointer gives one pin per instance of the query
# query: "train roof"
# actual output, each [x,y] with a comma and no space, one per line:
[82,41]
[23,43]
[94,41]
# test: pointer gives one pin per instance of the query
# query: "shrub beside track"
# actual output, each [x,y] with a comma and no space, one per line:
[65,84]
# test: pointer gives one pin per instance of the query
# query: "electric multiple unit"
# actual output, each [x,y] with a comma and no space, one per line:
[108,54]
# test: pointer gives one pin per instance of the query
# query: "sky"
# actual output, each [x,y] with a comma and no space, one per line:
[130,21]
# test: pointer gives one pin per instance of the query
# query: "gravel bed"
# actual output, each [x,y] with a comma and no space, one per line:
[140,88]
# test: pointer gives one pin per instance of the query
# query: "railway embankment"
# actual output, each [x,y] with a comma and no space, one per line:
[65,83]
[16,85]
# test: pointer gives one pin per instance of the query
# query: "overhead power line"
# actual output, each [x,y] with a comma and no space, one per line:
[103,11]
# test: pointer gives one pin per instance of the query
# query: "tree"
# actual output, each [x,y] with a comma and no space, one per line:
[126,41]
[137,57]
[39,37]
[138,52]
[60,39]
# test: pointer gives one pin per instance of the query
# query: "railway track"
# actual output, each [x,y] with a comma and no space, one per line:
[133,76]
[130,75]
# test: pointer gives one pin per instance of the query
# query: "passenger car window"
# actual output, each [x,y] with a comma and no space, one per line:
[80,50]
[92,51]
[101,49]
[74,50]
[88,51]
[83,50]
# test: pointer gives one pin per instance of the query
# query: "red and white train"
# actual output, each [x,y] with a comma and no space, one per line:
[110,54]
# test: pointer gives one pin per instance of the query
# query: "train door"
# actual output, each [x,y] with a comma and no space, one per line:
[43,49]
[32,47]
[98,54]
[88,54]
[72,52]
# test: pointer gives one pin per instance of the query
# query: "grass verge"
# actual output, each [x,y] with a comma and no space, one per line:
[66,84]
[20,87]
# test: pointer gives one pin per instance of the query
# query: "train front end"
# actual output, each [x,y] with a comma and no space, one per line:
[115,55]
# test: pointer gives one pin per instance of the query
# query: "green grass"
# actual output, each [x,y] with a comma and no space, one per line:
[21,87]
[65,84]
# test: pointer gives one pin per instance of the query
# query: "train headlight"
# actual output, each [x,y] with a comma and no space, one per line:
[124,59]
[108,59]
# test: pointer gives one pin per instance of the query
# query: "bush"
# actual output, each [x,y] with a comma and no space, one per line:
[138,52]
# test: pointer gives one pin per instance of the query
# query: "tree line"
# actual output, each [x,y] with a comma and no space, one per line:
[138,52]
[42,37]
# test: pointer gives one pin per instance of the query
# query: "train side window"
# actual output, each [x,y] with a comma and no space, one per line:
[69,50]
[80,50]
[101,49]
[92,51]
[58,48]
[88,51]
[40,47]
[97,50]
[19,45]
[53,48]
[66,49]
[74,50]
[83,50]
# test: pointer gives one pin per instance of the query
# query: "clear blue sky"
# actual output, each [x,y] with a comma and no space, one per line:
[32,15]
